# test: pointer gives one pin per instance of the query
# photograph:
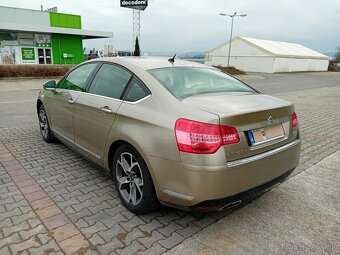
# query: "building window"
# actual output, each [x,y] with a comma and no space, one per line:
[26,39]
[42,40]
[9,50]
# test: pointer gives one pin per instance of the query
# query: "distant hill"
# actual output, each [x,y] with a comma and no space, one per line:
[330,54]
[190,54]
[162,53]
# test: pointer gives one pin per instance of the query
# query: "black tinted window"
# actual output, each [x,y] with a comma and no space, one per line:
[76,80]
[136,91]
[110,81]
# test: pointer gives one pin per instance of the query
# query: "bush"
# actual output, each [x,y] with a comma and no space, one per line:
[230,70]
[34,70]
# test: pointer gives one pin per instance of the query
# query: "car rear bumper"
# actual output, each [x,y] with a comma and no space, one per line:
[240,198]
[191,186]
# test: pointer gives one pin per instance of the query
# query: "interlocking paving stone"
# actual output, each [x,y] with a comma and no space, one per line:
[172,240]
[64,232]
[34,226]
[156,248]
[131,249]
[150,238]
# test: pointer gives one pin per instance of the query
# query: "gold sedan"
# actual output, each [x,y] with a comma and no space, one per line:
[175,132]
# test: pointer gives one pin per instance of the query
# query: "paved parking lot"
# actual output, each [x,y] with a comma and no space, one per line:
[295,218]
[53,202]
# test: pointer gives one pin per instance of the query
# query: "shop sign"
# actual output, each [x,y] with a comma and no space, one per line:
[134,4]
[28,55]
[42,40]
[41,45]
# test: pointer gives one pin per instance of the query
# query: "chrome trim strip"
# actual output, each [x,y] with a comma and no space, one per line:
[100,96]
[263,155]
[138,101]
[269,140]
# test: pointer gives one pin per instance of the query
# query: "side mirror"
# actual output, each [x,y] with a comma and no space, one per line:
[50,85]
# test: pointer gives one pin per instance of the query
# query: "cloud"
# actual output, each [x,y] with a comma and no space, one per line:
[194,25]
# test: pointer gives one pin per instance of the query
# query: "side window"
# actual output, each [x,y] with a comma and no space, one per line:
[136,91]
[110,81]
[76,80]
[60,84]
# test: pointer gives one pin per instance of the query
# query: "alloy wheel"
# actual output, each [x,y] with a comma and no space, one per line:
[43,124]
[129,178]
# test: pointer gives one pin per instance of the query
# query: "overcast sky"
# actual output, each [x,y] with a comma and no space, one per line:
[194,25]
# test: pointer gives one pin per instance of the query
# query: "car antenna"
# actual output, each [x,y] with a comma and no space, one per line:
[172,60]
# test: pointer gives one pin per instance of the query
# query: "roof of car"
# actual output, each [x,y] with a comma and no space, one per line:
[152,62]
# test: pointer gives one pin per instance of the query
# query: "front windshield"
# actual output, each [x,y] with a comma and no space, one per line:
[183,81]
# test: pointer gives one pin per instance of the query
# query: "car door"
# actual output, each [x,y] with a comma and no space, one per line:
[95,111]
[60,103]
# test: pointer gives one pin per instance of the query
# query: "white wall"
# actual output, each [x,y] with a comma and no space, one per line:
[238,48]
[21,16]
[248,64]
[282,65]
[250,58]
[243,56]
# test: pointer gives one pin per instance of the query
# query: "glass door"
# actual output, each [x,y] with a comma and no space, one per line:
[41,56]
[48,57]
[44,56]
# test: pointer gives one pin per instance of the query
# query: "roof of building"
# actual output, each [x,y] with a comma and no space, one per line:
[276,48]
[85,34]
[25,20]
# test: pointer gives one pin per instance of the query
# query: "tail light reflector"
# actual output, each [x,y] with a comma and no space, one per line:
[295,121]
[203,138]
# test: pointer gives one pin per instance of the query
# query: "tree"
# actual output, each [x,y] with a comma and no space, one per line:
[137,49]
[337,55]
[334,63]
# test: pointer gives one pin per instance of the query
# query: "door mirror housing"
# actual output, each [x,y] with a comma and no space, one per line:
[50,85]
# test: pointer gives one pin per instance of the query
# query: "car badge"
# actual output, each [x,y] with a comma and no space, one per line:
[270,120]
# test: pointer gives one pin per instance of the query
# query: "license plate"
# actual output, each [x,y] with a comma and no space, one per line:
[257,136]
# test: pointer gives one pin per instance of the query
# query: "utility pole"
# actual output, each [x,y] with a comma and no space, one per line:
[231,30]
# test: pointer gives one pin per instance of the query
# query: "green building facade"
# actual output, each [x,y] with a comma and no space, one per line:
[40,37]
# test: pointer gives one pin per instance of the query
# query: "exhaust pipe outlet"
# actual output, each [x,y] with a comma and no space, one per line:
[231,205]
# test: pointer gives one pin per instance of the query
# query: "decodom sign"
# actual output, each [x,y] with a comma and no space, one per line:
[134,4]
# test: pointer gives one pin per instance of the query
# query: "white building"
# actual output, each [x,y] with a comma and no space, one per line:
[108,50]
[255,55]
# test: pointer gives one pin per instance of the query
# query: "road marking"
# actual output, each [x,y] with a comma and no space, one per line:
[18,101]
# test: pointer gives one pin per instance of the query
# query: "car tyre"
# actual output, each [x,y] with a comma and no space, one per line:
[44,125]
[133,181]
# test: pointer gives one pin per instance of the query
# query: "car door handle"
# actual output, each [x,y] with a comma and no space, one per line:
[106,109]
[71,101]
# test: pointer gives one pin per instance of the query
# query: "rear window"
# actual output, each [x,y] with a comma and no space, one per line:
[183,82]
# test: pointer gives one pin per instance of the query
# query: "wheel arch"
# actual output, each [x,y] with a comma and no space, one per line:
[114,147]
[112,150]
[39,103]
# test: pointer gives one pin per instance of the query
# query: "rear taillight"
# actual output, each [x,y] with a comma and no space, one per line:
[229,135]
[203,138]
[295,121]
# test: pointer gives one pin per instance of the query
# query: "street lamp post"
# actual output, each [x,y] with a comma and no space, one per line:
[231,30]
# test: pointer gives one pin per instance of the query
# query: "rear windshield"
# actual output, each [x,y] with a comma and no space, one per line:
[183,82]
